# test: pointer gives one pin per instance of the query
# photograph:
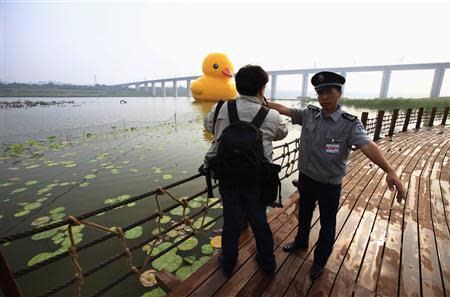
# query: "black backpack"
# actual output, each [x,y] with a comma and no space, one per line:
[240,152]
[240,156]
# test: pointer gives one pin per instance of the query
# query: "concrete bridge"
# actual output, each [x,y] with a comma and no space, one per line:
[439,71]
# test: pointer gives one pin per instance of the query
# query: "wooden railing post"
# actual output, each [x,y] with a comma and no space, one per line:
[364,117]
[407,118]
[444,117]
[393,122]
[7,282]
[378,125]
[432,116]
[419,118]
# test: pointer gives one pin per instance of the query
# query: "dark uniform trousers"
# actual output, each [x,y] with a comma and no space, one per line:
[327,196]
[238,202]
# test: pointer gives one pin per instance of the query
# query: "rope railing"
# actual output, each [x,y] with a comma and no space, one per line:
[287,158]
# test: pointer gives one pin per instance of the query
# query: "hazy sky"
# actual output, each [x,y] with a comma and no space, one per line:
[121,41]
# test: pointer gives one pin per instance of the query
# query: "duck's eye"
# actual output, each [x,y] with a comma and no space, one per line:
[215,66]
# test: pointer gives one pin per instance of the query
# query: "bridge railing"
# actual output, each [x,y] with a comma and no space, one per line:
[285,154]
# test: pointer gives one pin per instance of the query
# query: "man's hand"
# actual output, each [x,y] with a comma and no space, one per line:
[394,183]
[372,151]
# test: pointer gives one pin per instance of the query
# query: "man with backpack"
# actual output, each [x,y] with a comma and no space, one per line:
[325,143]
[244,130]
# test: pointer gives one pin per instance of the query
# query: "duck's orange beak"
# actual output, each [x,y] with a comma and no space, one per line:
[227,72]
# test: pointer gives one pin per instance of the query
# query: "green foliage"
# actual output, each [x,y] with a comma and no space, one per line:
[394,103]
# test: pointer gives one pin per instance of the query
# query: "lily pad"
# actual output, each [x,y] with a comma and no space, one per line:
[90,176]
[21,213]
[148,278]
[158,292]
[164,220]
[57,210]
[179,211]
[188,244]
[45,234]
[169,261]
[1,217]
[32,206]
[40,221]
[172,233]
[58,216]
[41,199]
[190,259]
[33,166]
[156,230]
[216,242]
[133,170]
[200,262]
[132,204]
[134,233]
[195,204]
[31,182]
[77,237]
[122,197]
[167,176]
[83,185]
[207,249]
[19,190]
[115,171]
[39,258]
[198,223]
[5,185]
[184,272]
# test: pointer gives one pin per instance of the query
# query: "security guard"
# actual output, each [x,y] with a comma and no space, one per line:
[325,143]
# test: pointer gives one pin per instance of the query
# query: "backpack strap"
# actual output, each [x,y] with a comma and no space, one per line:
[232,111]
[260,116]
[216,113]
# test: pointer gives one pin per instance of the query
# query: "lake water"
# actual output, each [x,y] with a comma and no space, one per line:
[71,159]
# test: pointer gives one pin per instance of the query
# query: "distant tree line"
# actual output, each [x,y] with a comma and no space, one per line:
[69,90]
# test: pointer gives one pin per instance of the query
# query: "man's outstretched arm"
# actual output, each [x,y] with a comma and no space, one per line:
[280,108]
[372,151]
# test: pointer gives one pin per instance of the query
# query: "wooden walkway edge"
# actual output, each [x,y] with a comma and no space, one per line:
[382,248]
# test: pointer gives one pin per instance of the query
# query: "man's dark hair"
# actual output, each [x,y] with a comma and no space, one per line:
[250,79]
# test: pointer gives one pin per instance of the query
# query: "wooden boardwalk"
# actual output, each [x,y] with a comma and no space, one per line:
[382,248]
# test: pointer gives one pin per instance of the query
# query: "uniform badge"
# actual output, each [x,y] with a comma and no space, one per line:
[362,130]
[332,148]
[321,77]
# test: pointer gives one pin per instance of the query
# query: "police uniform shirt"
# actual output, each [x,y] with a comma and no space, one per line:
[325,142]
[273,128]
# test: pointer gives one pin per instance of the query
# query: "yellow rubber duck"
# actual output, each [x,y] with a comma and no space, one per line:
[217,83]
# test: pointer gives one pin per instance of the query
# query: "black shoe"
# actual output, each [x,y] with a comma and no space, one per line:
[226,268]
[268,269]
[294,246]
[295,183]
[315,272]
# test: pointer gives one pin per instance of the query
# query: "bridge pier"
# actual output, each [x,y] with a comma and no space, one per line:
[163,89]
[305,85]
[146,88]
[188,87]
[175,91]
[153,89]
[437,82]
[344,74]
[273,86]
[138,87]
[385,83]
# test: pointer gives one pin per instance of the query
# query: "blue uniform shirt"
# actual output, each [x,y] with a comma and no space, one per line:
[326,142]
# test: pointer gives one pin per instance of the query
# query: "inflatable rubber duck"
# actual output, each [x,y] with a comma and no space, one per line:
[216,84]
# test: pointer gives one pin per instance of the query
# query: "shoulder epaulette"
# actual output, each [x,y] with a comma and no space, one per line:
[349,117]
[313,108]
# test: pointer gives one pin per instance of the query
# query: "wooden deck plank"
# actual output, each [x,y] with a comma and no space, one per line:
[390,265]
[442,235]
[369,269]
[431,276]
